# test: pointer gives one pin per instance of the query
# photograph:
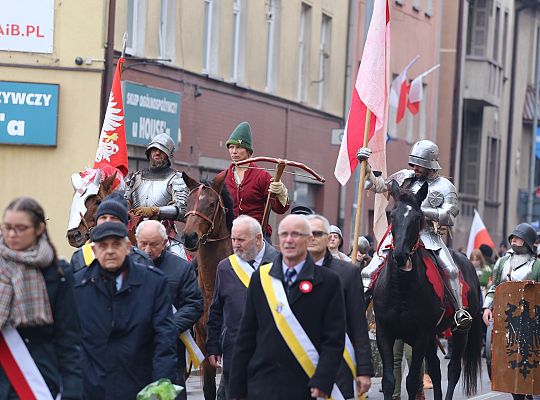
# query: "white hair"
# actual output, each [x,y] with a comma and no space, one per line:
[325,222]
[303,218]
[152,224]
[254,226]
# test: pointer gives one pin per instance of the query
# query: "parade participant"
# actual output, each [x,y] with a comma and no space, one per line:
[355,309]
[335,243]
[439,208]
[362,254]
[289,301]
[483,270]
[518,264]
[183,288]
[112,208]
[36,298]
[159,192]
[232,280]
[249,186]
[128,334]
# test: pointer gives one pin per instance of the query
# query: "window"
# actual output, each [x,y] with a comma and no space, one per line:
[504,39]
[167,30]
[429,8]
[416,5]
[305,194]
[210,36]
[477,28]
[304,41]
[324,58]
[238,45]
[136,11]
[492,173]
[496,32]
[470,149]
[272,20]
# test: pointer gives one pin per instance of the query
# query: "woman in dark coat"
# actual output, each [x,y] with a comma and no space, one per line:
[36,298]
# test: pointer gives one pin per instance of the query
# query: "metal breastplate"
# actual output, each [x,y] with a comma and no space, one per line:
[519,267]
[152,192]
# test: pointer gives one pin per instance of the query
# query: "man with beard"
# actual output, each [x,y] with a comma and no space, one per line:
[232,280]
[159,192]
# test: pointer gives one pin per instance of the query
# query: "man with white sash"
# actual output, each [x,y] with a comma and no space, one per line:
[232,279]
[356,370]
[292,334]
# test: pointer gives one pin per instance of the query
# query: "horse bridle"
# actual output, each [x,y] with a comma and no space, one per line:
[205,237]
[416,245]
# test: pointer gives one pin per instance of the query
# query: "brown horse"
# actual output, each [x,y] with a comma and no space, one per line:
[207,230]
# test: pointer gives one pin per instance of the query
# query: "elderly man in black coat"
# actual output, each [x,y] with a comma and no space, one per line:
[251,251]
[264,365]
[183,288]
[355,308]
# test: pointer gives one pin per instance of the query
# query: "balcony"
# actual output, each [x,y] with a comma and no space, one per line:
[483,81]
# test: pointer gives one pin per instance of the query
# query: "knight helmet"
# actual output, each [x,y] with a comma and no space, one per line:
[162,142]
[425,153]
[526,232]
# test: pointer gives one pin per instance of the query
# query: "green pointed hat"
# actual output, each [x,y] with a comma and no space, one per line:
[241,136]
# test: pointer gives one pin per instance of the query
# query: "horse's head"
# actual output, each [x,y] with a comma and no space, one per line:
[407,221]
[87,197]
[207,216]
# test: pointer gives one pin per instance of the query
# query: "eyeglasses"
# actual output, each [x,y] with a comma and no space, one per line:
[293,234]
[17,229]
[318,234]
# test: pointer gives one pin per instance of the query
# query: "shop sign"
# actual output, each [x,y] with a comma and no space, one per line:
[28,113]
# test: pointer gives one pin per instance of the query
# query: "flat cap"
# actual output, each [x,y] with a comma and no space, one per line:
[302,210]
[108,229]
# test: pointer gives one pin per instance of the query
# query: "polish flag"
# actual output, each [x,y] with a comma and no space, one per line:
[370,91]
[416,91]
[479,235]
[112,146]
[398,91]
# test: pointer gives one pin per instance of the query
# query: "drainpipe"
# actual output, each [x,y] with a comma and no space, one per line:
[106,81]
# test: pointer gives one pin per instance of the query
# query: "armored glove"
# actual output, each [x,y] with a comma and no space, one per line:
[363,153]
[279,189]
[146,212]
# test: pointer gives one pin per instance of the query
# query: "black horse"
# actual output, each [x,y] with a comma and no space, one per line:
[407,307]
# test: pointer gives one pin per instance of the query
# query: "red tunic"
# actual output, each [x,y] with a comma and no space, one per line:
[250,196]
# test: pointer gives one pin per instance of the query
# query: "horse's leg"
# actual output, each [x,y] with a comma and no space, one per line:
[433,365]
[413,382]
[459,341]
[385,343]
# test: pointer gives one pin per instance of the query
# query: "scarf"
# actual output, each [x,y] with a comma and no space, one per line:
[24,300]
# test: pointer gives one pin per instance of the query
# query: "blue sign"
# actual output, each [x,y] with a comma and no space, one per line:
[538,142]
[148,112]
[28,113]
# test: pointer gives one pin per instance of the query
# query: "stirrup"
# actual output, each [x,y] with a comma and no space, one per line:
[462,320]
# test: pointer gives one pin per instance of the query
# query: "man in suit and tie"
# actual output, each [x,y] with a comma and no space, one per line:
[292,334]
[232,279]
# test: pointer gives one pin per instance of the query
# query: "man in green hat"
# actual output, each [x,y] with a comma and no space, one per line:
[248,185]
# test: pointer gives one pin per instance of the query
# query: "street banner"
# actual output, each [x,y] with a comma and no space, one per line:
[478,235]
[112,146]
[398,91]
[516,338]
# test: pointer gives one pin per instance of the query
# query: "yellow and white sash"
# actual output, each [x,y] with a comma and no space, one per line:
[88,253]
[242,269]
[292,332]
[194,354]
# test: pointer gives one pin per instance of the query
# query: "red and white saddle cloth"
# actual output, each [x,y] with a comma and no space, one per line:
[20,367]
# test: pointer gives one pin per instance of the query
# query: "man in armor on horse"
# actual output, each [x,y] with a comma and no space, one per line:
[159,192]
[440,208]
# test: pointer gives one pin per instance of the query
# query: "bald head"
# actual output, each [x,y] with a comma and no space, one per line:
[294,234]
[151,238]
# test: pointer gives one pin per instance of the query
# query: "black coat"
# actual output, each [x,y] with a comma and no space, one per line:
[138,256]
[357,329]
[129,338]
[184,292]
[263,367]
[55,348]
[227,307]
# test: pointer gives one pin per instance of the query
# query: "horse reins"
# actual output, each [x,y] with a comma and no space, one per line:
[205,237]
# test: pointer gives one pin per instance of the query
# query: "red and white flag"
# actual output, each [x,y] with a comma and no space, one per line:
[370,91]
[416,91]
[112,146]
[479,235]
[398,91]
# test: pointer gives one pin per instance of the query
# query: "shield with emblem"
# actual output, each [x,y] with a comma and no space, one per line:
[516,338]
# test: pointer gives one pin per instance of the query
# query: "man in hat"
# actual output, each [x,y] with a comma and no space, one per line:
[335,243]
[113,208]
[301,210]
[159,192]
[127,330]
[248,185]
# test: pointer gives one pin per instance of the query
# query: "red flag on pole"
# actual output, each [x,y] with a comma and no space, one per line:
[399,90]
[370,91]
[479,235]
[416,91]
[112,146]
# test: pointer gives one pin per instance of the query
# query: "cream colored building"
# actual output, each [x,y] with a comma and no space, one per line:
[78,30]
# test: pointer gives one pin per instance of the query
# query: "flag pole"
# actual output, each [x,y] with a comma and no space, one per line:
[124,44]
[361,182]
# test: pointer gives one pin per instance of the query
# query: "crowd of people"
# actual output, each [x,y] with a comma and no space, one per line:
[285,322]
